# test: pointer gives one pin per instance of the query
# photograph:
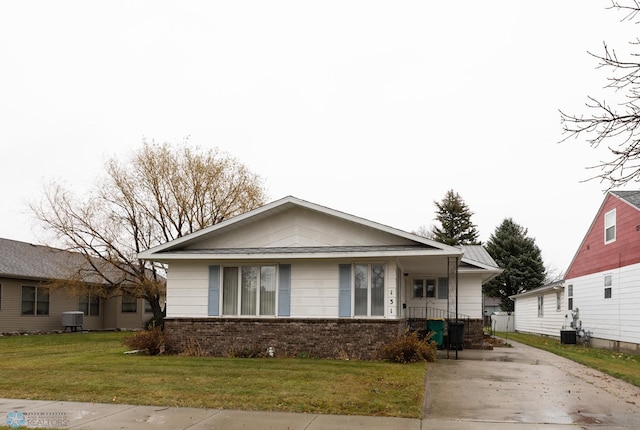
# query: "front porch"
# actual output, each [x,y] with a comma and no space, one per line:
[473,333]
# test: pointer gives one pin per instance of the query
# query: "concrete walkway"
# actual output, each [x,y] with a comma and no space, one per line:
[507,388]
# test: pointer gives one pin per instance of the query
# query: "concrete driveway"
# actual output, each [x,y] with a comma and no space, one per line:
[522,387]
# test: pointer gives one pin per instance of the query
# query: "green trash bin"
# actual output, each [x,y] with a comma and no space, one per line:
[437,327]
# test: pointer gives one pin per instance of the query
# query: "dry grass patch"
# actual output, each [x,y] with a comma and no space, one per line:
[92,367]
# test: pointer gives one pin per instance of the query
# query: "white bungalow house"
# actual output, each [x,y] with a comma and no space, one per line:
[296,277]
[541,310]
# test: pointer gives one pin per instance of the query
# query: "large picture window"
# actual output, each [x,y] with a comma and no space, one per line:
[249,290]
[369,290]
[35,301]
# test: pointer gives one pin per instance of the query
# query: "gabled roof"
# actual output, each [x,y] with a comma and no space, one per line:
[28,261]
[22,260]
[478,256]
[552,286]
[631,197]
[476,259]
[176,249]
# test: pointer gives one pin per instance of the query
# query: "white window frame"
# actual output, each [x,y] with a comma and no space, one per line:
[541,306]
[608,286]
[427,281]
[570,297]
[238,311]
[369,295]
[610,223]
[558,301]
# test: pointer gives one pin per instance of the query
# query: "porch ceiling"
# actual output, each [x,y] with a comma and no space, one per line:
[423,265]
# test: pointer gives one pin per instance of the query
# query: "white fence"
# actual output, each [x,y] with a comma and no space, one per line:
[503,322]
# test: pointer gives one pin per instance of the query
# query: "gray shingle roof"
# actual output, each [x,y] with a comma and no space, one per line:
[38,262]
[631,197]
[25,260]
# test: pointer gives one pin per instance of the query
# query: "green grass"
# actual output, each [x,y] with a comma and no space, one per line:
[91,367]
[617,364]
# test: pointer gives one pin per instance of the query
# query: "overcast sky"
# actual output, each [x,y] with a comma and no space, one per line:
[374,108]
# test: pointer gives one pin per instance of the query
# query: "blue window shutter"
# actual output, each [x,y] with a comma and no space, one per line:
[344,291]
[214,291]
[284,290]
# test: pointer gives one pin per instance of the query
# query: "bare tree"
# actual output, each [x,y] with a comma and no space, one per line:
[616,125]
[162,193]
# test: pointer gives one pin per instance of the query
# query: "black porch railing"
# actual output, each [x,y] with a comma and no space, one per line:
[433,314]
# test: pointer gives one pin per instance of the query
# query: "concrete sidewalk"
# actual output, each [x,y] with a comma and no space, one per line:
[508,388]
[96,416]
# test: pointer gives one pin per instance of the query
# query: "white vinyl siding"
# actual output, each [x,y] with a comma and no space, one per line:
[530,318]
[469,297]
[314,289]
[616,318]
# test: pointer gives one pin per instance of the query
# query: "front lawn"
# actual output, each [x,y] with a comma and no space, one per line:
[616,364]
[92,367]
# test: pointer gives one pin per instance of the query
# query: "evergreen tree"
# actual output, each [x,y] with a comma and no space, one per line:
[519,257]
[454,217]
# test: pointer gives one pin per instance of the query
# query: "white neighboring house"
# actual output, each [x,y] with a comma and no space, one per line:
[296,277]
[541,310]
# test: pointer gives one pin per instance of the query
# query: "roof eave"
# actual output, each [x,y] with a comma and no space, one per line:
[166,257]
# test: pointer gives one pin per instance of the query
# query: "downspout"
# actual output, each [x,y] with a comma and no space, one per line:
[457,266]
[449,291]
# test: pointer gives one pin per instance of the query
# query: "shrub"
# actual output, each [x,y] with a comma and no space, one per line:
[409,348]
[192,348]
[246,352]
[151,341]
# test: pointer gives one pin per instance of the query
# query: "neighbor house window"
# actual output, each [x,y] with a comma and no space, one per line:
[129,304]
[147,307]
[369,290]
[570,297]
[35,301]
[90,305]
[540,306]
[558,301]
[610,226]
[607,287]
[249,290]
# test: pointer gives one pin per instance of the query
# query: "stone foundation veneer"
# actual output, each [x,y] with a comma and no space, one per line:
[289,337]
